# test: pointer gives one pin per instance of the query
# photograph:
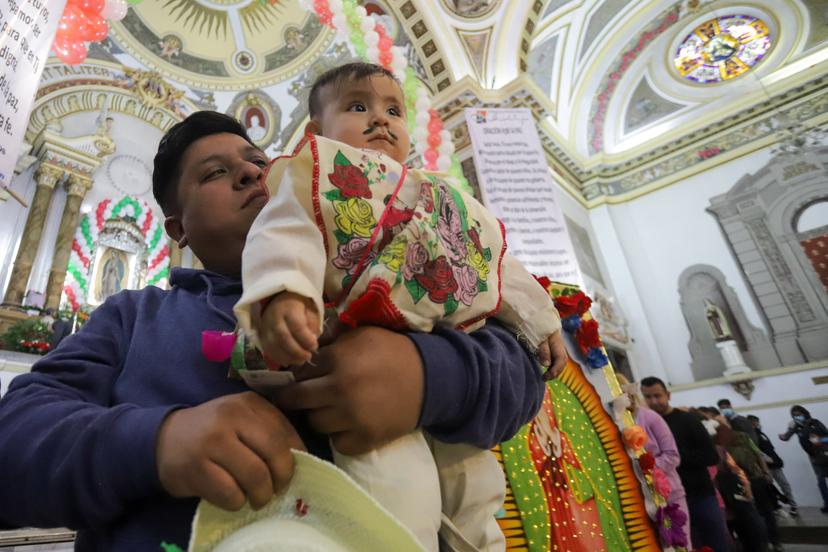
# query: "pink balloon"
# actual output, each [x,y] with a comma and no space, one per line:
[114,10]
[434,140]
[96,28]
[70,52]
[430,156]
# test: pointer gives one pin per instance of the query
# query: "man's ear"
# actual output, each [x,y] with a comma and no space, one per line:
[175,230]
[312,127]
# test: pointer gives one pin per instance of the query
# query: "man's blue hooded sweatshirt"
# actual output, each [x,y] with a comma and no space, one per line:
[78,434]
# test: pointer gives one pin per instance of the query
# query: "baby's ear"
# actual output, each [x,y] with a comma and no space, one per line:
[312,127]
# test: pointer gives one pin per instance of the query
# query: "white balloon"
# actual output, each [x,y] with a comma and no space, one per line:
[340,22]
[361,12]
[443,163]
[335,5]
[423,103]
[420,133]
[114,10]
[445,136]
[420,147]
[371,38]
[372,53]
[422,118]
[446,148]
[398,64]
[367,24]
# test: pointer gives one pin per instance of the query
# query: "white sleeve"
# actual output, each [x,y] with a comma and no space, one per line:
[284,251]
[525,307]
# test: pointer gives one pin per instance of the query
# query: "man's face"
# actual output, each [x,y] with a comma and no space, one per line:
[657,398]
[366,113]
[220,192]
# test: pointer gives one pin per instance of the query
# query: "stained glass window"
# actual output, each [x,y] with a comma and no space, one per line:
[722,48]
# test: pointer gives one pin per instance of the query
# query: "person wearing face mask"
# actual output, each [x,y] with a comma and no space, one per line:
[737,422]
[813,438]
[775,464]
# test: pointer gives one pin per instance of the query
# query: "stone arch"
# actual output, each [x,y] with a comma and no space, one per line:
[758,217]
[699,284]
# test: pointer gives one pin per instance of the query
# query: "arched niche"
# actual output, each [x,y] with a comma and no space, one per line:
[759,218]
[700,286]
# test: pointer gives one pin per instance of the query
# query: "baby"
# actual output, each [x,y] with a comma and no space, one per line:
[351,229]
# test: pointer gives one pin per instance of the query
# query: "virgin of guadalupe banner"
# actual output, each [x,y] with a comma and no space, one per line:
[517,186]
[27,28]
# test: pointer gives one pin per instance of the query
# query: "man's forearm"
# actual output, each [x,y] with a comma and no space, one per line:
[480,388]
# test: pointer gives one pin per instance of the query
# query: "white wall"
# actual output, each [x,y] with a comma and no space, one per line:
[653,239]
[771,402]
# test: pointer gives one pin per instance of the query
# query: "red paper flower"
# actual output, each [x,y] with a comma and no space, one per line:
[350,181]
[438,279]
[568,305]
[545,282]
[646,462]
[587,336]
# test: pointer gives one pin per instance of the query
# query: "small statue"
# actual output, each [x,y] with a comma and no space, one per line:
[717,321]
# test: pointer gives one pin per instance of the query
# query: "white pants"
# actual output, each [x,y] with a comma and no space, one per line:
[428,484]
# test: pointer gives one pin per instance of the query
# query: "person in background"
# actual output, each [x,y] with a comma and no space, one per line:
[736,421]
[775,464]
[813,438]
[697,452]
[660,443]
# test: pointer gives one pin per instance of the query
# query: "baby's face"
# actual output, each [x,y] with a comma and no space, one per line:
[367,113]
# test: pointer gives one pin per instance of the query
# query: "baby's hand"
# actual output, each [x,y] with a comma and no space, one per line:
[552,353]
[288,329]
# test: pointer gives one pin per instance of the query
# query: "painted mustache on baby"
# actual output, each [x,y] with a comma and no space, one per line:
[372,128]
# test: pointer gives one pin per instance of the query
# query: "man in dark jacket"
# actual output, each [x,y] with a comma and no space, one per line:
[121,429]
[775,463]
[813,438]
[707,523]
[736,421]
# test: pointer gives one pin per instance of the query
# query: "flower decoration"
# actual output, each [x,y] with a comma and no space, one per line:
[646,462]
[634,437]
[543,281]
[661,483]
[572,307]
[670,520]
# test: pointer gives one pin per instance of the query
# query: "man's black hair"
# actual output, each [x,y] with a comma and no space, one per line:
[752,418]
[167,165]
[652,380]
[350,71]
[720,402]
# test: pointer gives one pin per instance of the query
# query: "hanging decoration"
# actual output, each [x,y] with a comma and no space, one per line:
[371,42]
[76,286]
[85,21]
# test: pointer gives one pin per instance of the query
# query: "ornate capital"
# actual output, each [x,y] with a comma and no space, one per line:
[78,185]
[48,176]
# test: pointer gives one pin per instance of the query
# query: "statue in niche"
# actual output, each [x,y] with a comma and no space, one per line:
[719,327]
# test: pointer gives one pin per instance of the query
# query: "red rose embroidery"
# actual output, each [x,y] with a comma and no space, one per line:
[350,181]
[438,279]
[587,335]
[568,305]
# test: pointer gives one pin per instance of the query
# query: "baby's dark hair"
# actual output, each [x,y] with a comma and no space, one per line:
[350,71]
[167,165]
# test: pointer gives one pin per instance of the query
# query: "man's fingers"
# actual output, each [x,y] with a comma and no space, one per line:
[251,472]
[217,486]
[305,395]
[329,420]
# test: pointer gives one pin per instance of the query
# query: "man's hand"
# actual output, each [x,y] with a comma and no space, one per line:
[229,450]
[552,353]
[365,390]
[288,329]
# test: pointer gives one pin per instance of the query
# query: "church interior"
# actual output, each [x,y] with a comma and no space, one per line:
[686,142]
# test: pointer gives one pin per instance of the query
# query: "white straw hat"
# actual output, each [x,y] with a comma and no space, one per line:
[321,510]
